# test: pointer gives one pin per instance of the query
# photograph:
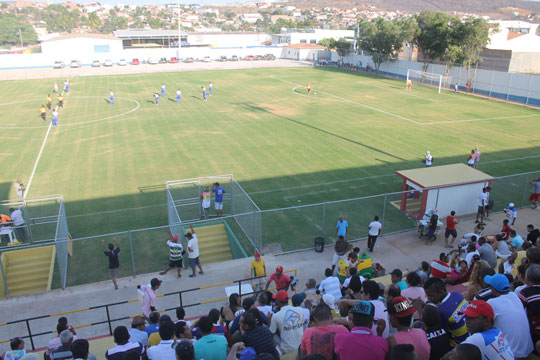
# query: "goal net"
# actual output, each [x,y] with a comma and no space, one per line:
[424,78]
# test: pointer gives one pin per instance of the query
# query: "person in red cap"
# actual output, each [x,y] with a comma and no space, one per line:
[400,312]
[289,323]
[479,318]
[282,280]
[175,255]
[258,268]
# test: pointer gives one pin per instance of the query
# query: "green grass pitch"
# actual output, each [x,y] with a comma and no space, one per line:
[284,147]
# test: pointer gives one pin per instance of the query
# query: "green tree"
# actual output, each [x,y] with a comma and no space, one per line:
[328,43]
[9,31]
[93,21]
[384,39]
[473,38]
[438,36]
[229,15]
[343,48]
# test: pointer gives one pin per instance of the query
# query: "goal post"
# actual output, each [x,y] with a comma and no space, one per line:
[424,78]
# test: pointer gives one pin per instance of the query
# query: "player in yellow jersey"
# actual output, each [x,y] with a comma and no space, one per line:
[60,100]
[409,85]
[49,101]
[43,112]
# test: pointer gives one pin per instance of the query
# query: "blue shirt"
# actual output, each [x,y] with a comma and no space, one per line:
[517,241]
[211,347]
[402,285]
[342,228]
[219,191]
[152,328]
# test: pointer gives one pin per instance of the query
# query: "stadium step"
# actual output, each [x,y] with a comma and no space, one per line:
[213,243]
[28,270]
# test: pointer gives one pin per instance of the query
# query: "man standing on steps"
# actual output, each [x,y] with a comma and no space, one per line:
[114,263]
[218,202]
[193,250]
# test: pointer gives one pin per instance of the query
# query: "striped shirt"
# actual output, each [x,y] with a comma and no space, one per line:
[451,320]
[331,285]
[530,298]
[440,269]
[118,352]
[175,250]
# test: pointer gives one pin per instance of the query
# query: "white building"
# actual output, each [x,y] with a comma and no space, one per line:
[83,47]
[518,36]
[289,37]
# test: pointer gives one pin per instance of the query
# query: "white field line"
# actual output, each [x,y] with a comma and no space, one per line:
[365,178]
[355,102]
[27,188]
[411,120]
[138,105]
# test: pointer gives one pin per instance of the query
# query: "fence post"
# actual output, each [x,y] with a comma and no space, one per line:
[4,277]
[383,211]
[437,199]
[524,195]
[323,218]
[240,288]
[508,88]
[109,319]
[529,91]
[491,83]
[180,298]
[459,76]
[30,334]
[132,256]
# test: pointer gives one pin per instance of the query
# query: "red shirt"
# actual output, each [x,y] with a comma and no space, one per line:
[450,222]
[282,282]
[506,231]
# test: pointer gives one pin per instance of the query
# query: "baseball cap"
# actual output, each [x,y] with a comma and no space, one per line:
[155,281]
[175,238]
[329,300]
[478,308]
[427,151]
[298,299]
[248,354]
[363,307]
[400,307]
[281,295]
[257,255]
[498,281]
[397,272]
[511,205]
[279,268]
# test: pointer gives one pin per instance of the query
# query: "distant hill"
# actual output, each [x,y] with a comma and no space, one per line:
[466,6]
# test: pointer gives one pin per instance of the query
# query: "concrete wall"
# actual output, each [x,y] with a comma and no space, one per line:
[525,63]
[83,49]
[223,40]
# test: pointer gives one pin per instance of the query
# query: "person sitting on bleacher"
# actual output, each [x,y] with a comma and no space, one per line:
[121,338]
[55,343]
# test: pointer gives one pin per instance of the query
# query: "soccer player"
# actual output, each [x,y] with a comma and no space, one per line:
[309,89]
[409,85]
[55,117]
[60,100]
[55,87]
[456,88]
[43,111]
[49,101]
[178,95]
[156,96]
[111,97]
[162,89]
[204,93]
[210,88]
[66,86]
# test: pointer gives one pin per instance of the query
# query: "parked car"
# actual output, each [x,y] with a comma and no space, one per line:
[58,64]
[249,58]
[135,61]
[174,60]
[206,59]
[122,62]
[189,60]
[75,64]
[163,60]
[108,62]
[96,63]
[152,61]
[234,58]
[269,57]
[222,58]
[258,57]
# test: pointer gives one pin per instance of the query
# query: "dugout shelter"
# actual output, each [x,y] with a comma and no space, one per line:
[446,188]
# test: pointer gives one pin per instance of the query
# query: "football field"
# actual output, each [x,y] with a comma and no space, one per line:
[285,147]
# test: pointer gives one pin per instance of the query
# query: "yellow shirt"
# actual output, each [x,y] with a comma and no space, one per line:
[42,110]
[520,255]
[154,339]
[60,98]
[49,99]
[258,267]
[342,267]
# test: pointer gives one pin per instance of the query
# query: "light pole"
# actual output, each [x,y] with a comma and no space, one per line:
[179,34]
[20,37]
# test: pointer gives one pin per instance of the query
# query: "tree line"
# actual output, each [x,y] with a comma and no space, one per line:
[440,37]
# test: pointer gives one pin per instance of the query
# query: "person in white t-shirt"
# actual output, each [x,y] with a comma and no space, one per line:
[18,221]
[289,323]
[487,338]
[19,189]
[482,203]
[510,316]
[374,231]
[428,160]
[193,252]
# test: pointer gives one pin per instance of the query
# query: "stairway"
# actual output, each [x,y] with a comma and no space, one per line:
[213,243]
[29,270]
